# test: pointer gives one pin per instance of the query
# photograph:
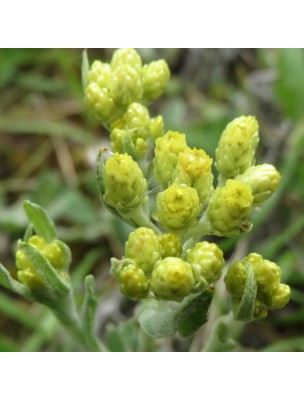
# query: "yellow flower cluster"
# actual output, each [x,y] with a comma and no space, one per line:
[247,186]
[153,266]
[117,93]
[271,294]
[186,176]
[172,264]
[56,253]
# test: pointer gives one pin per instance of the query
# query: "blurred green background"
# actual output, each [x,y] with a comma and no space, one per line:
[48,148]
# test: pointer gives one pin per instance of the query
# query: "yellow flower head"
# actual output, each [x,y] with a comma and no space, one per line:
[143,247]
[167,149]
[172,279]
[271,294]
[177,208]
[100,73]
[155,77]
[126,57]
[124,183]
[230,207]
[133,282]
[125,86]
[263,180]
[194,169]
[208,260]
[157,127]
[170,245]
[99,102]
[237,145]
[56,253]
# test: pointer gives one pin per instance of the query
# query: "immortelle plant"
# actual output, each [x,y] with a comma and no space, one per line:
[167,264]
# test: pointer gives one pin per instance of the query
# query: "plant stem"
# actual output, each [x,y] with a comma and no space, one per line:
[138,218]
[69,317]
[223,333]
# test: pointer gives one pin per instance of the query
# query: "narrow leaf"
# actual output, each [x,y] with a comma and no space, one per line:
[85,67]
[48,274]
[89,303]
[41,222]
[8,282]
[198,315]
[88,314]
[160,319]
[245,310]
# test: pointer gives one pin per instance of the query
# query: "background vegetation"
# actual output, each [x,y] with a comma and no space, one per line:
[48,148]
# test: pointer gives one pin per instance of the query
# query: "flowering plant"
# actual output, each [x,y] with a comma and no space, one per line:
[170,263]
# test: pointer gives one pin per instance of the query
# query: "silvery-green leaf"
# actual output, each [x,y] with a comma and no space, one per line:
[245,310]
[8,282]
[159,318]
[48,274]
[85,67]
[41,222]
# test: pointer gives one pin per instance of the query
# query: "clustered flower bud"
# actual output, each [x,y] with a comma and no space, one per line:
[134,131]
[236,149]
[271,293]
[124,183]
[161,259]
[115,92]
[177,208]
[55,252]
[230,207]
[263,180]
[153,266]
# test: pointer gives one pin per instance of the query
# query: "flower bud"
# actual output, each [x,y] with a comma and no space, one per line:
[208,258]
[125,86]
[133,282]
[157,126]
[270,295]
[229,208]
[143,247]
[177,208]
[263,180]
[99,102]
[170,245]
[237,145]
[124,183]
[279,297]
[235,280]
[100,73]
[56,253]
[155,77]
[137,120]
[117,137]
[167,149]
[126,57]
[267,273]
[194,169]
[172,279]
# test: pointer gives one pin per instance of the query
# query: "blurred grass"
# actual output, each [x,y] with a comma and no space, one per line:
[47,154]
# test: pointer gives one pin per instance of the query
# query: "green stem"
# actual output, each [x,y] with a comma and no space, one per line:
[223,334]
[195,233]
[138,218]
[67,314]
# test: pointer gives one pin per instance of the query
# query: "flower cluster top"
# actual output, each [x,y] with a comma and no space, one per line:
[117,93]
[165,257]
